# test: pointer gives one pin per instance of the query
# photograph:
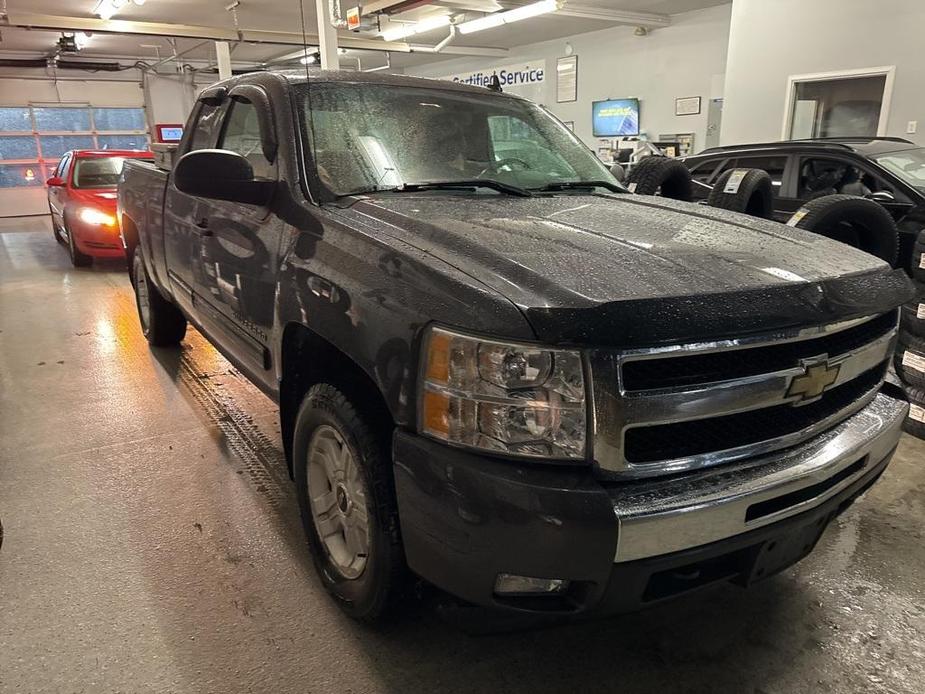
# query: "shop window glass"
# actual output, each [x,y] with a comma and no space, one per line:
[844,107]
[18,147]
[122,141]
[63,119]
[19,175]
[53,146]
[15,120]
[118,119]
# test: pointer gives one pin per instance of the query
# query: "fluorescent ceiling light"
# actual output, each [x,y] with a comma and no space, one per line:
[490,21]
[105,9]
[403,30]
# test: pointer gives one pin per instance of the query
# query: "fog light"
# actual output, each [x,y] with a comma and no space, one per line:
[511,584]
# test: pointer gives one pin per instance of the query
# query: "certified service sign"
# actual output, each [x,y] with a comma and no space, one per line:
[521,74]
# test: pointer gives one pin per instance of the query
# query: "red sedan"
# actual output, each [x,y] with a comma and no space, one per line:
[82,200]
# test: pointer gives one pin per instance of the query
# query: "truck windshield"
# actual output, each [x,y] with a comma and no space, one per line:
[907,164]
[368,137]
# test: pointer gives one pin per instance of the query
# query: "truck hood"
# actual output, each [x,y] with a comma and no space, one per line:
[629,269]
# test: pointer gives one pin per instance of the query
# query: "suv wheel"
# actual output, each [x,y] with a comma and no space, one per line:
[347,502]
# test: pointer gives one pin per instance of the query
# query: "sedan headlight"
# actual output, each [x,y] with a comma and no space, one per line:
[94,217]
[504,397]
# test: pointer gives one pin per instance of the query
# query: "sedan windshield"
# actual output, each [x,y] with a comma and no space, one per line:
[368,137]
[907,164]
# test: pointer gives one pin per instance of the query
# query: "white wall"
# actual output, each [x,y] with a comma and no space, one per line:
[769,41]
[687,58]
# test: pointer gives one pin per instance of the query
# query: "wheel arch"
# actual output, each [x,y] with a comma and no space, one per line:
[307,358]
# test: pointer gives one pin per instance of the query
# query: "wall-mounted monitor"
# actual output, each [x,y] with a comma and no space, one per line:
[615,117]
[169,132]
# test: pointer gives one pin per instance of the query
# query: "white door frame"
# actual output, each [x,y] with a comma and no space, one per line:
[888,71]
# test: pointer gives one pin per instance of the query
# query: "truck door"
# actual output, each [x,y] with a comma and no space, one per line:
[235,283]
[184,214]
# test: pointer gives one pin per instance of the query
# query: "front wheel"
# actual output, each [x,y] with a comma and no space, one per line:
[161,322]
[347,503]
[78,259]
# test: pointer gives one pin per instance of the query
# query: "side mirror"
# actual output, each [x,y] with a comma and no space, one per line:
[618,172]
[220,175]
[54,182]
[882,196]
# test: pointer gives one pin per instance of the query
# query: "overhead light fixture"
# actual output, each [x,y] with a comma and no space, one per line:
[490,21]
[428,24]
[105,9]
[311,58]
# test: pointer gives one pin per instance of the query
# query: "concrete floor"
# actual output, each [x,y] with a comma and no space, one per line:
[153,545]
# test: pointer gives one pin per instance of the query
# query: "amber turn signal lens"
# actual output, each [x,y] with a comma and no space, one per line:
[438,358]
[436,413]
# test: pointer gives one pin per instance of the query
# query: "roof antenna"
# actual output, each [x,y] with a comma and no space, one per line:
[494,83]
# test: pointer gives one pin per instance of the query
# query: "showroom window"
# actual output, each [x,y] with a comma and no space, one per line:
[34,138]
[839,104]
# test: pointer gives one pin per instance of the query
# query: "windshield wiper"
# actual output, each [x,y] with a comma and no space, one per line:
[578,185]
[469,183]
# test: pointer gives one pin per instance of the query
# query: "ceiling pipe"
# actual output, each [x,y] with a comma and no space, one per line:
[454,32]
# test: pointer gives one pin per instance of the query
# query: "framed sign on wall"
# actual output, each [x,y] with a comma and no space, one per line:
[687,106]
[567,79]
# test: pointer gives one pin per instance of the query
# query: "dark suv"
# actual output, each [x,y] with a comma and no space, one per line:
[891,170]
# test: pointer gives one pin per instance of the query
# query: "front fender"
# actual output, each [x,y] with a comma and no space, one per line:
[370,296]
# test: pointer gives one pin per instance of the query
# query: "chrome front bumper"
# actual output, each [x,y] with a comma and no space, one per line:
[660,517]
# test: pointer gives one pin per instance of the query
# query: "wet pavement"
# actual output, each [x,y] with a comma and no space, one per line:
[152,544]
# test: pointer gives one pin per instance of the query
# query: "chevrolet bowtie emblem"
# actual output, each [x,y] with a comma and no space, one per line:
[818,376]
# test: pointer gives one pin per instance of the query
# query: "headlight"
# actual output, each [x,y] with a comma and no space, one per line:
[90,215]
[509,398]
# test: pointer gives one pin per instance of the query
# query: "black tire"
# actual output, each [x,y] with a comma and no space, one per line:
[754,195]
[163,325]
[54,228]
[913,314]
[918,257]
[909,360]
[854,220]
[369,595]
[914,423]
[656,175]
[78,259]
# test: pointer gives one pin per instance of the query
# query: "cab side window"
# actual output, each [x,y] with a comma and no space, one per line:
[241,134]
[205,130]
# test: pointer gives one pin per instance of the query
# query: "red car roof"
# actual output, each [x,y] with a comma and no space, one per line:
[83,153]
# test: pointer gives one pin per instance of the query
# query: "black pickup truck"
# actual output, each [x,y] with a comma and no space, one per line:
[496,367]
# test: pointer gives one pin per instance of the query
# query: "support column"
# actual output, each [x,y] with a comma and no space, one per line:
[327,36]
[223,59]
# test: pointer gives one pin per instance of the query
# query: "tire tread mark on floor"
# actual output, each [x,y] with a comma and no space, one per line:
[262,459]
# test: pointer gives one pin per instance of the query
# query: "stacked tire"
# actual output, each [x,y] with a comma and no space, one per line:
[909,360]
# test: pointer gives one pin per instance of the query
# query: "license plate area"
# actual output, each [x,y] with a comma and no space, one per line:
[778,553]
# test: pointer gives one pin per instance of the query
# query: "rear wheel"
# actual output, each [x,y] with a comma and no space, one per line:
[161,322]
[78,259]
[347,502]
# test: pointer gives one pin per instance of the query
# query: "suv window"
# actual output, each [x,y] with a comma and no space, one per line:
[820,176]
[704,170]
[206,127]
[241,134]
[774,165]
[512,138]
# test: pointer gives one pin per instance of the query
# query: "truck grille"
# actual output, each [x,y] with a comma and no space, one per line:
[675,408]
[682,439]
[673,372]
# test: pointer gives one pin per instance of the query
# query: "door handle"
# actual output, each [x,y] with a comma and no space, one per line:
[202,227]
